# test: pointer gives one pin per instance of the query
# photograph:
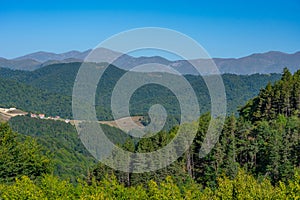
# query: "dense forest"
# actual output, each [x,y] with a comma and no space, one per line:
[48,90]
[256,157]
[61,142]
[31,99]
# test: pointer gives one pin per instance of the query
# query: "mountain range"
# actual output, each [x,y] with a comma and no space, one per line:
[262,63]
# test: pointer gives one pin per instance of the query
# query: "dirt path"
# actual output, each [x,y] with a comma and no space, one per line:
[7,113]
[125,123]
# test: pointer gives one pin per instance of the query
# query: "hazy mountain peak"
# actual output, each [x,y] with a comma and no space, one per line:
[43,56]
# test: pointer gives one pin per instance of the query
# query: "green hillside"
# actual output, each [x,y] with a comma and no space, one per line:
[283,97]
[54,83]
[70,158]
[267,148]
[32,99]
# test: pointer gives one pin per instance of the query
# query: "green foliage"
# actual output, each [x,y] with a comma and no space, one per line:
[24,188]
[283,97]
[20,156]
[70,158]
[265,149]
[28,98]
[268,148]
[244,186]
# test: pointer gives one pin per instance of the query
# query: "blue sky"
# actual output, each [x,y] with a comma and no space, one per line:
[223,28]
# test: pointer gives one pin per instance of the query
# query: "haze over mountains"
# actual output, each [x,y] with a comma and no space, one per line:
[263,63]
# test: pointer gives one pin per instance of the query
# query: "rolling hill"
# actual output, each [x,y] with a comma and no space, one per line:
[70,158]
[48,90]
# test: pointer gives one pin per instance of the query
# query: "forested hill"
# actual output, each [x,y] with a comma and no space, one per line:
[267,148]
[48,90]
[282,97]
[32,99]
[70,158]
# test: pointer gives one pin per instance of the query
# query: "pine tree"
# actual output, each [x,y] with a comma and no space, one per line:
[230,165]
[20,157]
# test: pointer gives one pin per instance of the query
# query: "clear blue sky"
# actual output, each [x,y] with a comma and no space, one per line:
[223,28]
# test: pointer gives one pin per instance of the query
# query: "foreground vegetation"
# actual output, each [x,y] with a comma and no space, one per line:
[243,186]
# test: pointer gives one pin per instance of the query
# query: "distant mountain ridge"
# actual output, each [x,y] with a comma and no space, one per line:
[43,56]
[262,63]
